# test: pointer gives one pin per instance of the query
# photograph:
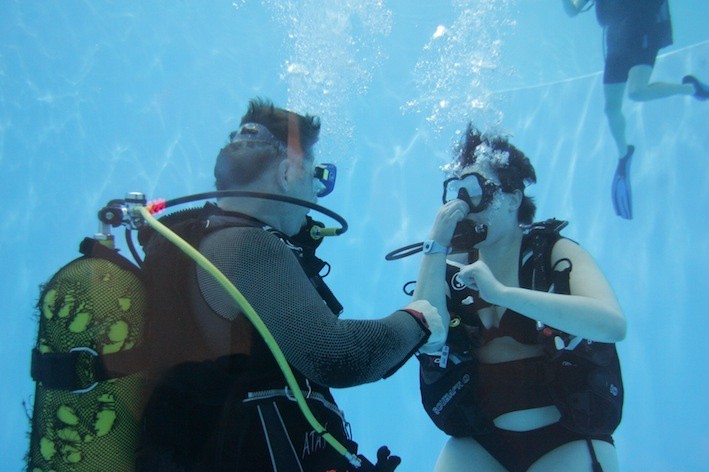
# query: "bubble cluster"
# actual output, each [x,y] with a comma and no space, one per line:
[333,49]
[459,63]
[495,157]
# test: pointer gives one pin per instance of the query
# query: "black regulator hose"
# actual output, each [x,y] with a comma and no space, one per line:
[112,215]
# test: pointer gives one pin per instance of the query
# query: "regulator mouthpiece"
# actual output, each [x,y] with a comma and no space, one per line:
[467,234]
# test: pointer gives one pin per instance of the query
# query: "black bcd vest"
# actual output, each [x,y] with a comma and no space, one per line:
[583,377]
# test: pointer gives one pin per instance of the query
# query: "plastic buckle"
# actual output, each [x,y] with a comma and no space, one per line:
[290,396]
[94,358]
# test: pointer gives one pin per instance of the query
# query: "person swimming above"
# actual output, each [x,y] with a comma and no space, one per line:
[635,31]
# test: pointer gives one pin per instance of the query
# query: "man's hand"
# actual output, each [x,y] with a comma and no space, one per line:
[385,462]
[437,325]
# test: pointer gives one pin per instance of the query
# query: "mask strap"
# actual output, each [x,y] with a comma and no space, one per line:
[295,151]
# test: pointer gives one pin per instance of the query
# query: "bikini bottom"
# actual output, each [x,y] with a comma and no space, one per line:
[518,450]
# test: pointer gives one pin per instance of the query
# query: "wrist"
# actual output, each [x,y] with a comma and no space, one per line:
[500,295]
[418,316]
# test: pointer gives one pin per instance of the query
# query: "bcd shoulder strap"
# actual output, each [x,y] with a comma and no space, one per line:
[536,271]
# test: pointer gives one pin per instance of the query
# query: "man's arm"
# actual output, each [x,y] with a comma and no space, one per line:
[328,350]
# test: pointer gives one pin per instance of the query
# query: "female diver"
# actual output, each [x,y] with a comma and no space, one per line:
[525,432]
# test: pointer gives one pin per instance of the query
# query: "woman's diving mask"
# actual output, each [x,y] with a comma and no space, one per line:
[472,188]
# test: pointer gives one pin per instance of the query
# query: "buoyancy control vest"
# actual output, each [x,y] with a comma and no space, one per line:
[583,377]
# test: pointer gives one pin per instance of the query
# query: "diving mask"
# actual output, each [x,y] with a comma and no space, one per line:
[325,174]
[473,189]
[256,133]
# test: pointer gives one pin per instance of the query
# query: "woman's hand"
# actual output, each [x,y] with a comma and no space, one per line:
[591,311]
[431,282]
[448,216]
[479,277]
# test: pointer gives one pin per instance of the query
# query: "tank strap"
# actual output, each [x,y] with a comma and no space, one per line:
[536,272]
[81,368]
[280,446]
[264,395]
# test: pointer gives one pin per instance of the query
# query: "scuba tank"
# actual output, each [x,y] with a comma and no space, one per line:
[88,396]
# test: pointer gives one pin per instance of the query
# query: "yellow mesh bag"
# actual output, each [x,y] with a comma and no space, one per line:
[91,306]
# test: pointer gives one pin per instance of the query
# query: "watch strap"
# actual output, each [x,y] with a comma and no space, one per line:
[430,246]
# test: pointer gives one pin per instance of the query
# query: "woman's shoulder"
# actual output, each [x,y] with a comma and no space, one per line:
[565,248]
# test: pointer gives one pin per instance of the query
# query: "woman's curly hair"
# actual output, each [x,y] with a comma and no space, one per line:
[512,168]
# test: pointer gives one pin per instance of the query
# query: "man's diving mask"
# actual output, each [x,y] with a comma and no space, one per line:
[472,188]
[325,174]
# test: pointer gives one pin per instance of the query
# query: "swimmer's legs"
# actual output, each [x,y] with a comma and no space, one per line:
[613,108]
[640,89]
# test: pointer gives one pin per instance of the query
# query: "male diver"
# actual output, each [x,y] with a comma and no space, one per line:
[635,30]
[220,402]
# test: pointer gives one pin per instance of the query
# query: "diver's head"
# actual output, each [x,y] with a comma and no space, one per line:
[486,165]
[272,153]
[267,135]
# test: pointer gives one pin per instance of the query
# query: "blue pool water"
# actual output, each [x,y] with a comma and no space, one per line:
[98,98]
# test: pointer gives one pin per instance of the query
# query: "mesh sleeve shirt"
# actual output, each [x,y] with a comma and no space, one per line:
[330,351]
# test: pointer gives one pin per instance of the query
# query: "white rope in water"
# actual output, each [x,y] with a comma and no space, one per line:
[592,74]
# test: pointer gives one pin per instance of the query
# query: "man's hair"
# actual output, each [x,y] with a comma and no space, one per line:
[242,162]
[512,168]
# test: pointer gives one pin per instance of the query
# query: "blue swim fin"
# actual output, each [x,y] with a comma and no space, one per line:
[701,90]
[620,190]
